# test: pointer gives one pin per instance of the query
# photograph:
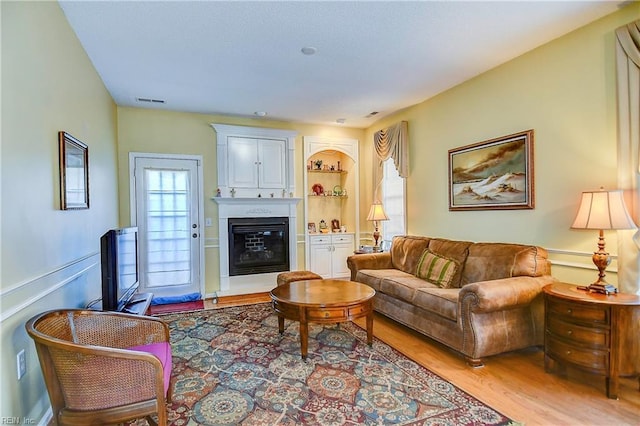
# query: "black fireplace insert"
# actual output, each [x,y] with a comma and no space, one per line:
[258,245]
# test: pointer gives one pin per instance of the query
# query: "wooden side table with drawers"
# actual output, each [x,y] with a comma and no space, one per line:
[594,332]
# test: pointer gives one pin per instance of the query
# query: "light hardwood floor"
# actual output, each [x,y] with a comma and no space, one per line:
[514,383]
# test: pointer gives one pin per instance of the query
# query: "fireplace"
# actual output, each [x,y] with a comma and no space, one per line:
[252,209]
[258,245]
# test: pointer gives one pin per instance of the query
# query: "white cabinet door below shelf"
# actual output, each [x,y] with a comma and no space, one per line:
[339,260]
[342,248]
[320,259]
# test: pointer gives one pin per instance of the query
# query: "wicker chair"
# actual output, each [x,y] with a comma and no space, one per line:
[103,367]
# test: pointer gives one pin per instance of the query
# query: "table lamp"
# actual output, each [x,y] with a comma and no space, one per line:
[602,210]
[376,214]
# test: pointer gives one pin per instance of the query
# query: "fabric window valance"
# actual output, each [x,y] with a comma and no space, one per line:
[392,143]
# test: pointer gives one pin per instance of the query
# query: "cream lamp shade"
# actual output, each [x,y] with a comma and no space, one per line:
[602,210]
[376,214]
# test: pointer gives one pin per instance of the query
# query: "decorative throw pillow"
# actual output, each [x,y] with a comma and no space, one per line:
[436,269]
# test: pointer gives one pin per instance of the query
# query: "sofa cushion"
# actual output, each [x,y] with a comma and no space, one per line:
[455,250]
[435,269]
[374,277]
[403,287]
[440,301]
[405,252]
[493,261]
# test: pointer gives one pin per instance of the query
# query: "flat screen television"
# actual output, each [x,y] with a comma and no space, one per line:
[119,263]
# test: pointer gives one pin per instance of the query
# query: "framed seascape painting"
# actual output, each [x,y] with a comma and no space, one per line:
[74,173]
[496,174]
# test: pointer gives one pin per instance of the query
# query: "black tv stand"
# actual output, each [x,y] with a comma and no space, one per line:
[139,304]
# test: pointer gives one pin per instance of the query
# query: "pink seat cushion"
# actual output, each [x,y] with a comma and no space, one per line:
[162,351]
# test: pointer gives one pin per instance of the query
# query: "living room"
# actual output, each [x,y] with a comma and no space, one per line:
[565,90]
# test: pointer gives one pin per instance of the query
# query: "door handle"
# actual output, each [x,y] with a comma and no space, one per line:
[194,235]
[194,226]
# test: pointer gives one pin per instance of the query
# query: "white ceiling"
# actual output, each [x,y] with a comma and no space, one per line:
[240,57]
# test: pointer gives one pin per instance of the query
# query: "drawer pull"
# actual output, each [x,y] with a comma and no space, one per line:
[568,352]
[570,332]
[569,311]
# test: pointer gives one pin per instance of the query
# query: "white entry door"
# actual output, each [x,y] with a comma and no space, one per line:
[166,207]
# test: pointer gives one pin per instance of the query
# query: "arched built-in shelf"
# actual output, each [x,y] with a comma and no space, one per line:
[339,176]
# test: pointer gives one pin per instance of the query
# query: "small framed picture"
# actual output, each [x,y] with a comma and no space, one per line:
[311,227]
[74,172]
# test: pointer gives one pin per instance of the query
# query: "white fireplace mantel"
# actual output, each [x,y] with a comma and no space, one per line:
[229,207]
[256,206]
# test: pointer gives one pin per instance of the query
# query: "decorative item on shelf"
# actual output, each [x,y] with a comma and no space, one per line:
[323,227]
[311,227]
[337,190]
[339,169]
[325,167]
[271,195]
[376,214]
[343,228]
[335,225]
[318,164]
[233,192]
[284,193]
[333,168]
[602,210]
[218,193]
[310,165]
[259,195]
[317,189]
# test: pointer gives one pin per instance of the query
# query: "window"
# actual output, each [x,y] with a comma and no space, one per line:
[393,200]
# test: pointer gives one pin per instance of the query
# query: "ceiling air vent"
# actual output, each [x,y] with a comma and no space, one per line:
[151,101]
[371,114]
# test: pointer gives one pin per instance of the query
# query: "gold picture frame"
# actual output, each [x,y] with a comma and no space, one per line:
[74,172]
[495,174]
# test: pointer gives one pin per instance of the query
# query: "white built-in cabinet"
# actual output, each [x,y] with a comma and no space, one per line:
[326,253]
[255,162]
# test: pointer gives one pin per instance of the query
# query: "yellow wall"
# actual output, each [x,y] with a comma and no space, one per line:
[49,257]
[156,131]
[565,91]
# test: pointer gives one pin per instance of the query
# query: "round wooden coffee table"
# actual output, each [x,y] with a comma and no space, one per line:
[322,301]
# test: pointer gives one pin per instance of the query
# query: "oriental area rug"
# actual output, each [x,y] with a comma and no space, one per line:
[232,367]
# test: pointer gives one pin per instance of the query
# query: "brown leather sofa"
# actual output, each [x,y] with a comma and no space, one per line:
[491,303]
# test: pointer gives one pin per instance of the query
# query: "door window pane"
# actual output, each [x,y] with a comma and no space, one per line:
[168,227]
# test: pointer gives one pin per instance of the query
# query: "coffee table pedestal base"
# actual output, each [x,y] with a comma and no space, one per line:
[323,315]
